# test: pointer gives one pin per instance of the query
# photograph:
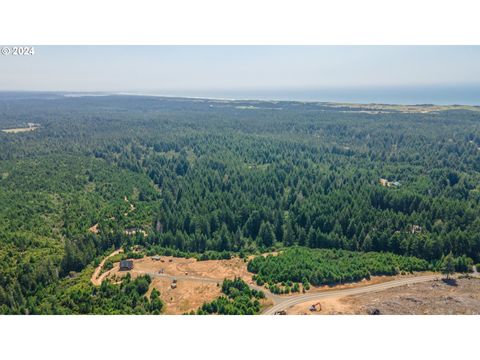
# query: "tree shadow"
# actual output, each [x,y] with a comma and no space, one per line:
[450,281]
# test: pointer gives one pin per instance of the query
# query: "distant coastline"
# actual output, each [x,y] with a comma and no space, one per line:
[401,95]
[431,95]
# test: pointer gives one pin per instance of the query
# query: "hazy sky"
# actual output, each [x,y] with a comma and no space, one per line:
[178,68]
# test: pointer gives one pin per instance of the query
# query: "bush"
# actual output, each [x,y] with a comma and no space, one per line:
[239,300]
[463,264]
[107,265]
[142,283]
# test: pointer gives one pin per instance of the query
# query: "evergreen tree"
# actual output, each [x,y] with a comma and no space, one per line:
[448,265]
[266,234]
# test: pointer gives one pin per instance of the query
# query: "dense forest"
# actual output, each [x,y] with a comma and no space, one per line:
[327,267]
[79,296]
[221,177]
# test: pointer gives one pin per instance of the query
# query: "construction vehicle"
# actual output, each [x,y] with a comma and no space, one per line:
[315,307]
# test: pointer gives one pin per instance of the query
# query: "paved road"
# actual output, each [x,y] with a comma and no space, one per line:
[286,302]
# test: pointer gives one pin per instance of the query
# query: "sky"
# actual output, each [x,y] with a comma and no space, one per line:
[183,69]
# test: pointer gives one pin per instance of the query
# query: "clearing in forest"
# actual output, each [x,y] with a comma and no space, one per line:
[437,297]
[195,281]
[19,130]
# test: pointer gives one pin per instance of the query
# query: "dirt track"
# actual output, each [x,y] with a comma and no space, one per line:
[96,277]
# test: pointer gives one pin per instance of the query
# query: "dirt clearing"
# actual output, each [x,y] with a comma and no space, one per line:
[187,296]
[213,269]
[30,127]
[461,296]
[19,130]
[94,229]
[195,281]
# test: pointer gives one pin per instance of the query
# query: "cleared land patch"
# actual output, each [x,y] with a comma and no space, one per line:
[174,266]
[20,130]
[185,284]
[460,296]
[187,296]
[195,281]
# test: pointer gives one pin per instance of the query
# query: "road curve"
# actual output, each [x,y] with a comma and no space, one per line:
[96,278]
[281,302]
[286,302]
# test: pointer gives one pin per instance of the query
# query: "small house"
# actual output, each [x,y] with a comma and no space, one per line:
[156,258]
[126,265]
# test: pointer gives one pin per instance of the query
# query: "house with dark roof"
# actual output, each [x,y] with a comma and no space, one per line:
[126,265]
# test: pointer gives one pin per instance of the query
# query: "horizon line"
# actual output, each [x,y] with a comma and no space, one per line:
[142,93]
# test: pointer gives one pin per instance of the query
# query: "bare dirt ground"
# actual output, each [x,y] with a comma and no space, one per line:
[94,229]
[198,282]
[461,296]
[214,269]
[188,295]
[330,306]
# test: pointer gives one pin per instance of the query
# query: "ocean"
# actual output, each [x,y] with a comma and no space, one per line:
[438,95]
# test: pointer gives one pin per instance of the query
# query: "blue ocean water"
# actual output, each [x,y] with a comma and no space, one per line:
[439,95]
